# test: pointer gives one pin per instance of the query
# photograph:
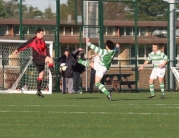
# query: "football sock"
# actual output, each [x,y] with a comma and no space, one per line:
[162,88]
[39,83]
[85,63]
[152,89]
[50,65]
[102,88]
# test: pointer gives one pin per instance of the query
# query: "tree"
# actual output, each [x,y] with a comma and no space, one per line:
[2,10]
[149,10]
[63,11]
[48,14]
[114,10]
[69,9]
[12,9]
[34,13]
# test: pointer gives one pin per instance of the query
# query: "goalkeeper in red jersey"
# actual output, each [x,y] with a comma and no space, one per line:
[40,55]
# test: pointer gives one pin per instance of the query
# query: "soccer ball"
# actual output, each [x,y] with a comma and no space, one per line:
[63,67]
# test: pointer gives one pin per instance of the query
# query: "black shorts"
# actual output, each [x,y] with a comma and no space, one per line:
[40,68]
[39,60]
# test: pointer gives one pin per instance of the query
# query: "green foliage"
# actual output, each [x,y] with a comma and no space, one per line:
[2,10]
[10,9]
[114,11]
[34,13]
[48,14]
[149,10]
[69,9]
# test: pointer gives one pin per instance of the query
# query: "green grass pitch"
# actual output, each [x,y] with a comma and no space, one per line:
[129,115]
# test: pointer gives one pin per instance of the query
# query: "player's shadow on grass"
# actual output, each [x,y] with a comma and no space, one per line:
[132,99]
[83,98]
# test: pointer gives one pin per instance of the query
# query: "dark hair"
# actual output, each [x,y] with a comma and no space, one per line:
[110,44]
[38,30]
[156,44]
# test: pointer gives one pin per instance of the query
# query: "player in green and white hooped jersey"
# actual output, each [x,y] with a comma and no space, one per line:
[159,60]
[103,64]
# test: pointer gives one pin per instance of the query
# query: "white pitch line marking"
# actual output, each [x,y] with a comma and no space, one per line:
[63,105]
[127,113]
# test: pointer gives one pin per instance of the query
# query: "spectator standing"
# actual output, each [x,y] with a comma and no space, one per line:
[67,75]
[77,71]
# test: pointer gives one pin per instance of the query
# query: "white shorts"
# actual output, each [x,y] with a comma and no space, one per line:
[100,70]
[157,72]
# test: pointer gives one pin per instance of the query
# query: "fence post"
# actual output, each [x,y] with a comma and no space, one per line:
[57,44]
[20,20]
[136,47]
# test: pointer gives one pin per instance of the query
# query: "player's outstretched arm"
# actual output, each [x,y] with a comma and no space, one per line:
[96,49]
[142,67]
[117,47]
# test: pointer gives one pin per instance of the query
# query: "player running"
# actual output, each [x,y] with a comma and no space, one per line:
[159,60]
[103,64]
[40,55]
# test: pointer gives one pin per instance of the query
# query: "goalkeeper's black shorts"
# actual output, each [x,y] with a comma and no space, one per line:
[39,60]
[40,68]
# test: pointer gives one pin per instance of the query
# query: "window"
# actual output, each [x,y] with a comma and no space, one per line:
[16,30]
[3,29]
[110,30]
[143,51]
[129,31]
[153,29]
[67,30]
[25,30]
[121,31]
[143,31]
[75,30]
[32,29]
[49,30]
[61,30]
[148,50]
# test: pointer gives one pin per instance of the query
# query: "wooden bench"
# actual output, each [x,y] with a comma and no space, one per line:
[116,80]
[118,83]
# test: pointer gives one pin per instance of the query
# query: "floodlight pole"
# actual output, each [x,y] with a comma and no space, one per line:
[172,41]
[101,24]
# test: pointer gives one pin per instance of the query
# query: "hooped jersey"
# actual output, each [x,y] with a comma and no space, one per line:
[38,46]
[157,58]
[105,56]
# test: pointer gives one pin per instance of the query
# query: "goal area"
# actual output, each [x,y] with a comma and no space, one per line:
[18,72]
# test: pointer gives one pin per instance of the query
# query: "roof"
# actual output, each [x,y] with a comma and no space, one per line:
[106,22]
